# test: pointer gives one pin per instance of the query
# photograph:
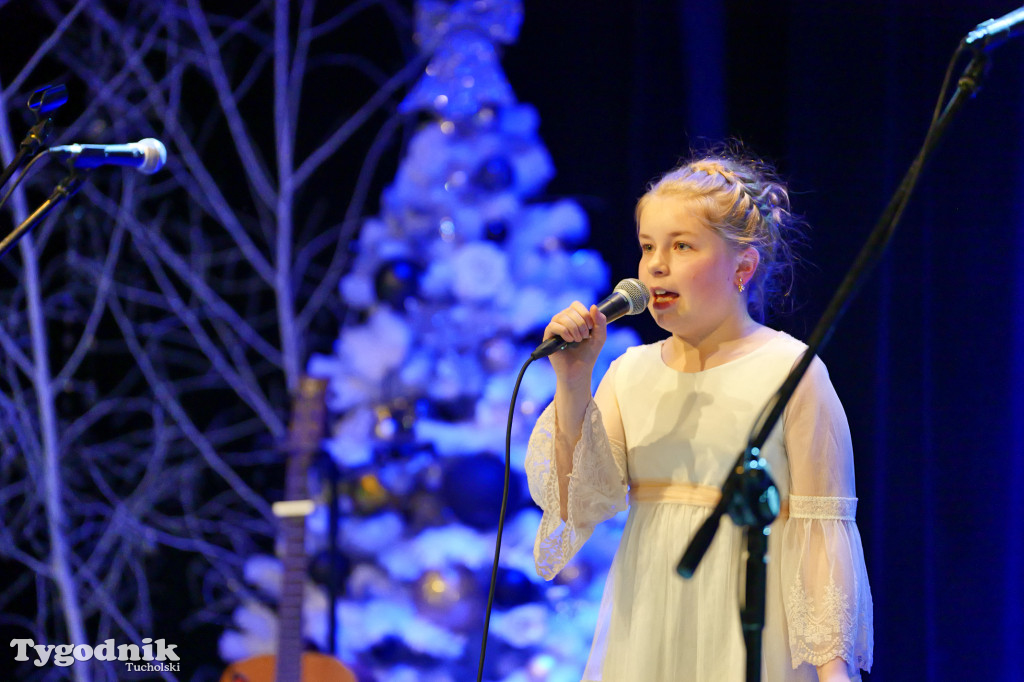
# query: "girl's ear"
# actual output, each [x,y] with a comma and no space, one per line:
[746,266]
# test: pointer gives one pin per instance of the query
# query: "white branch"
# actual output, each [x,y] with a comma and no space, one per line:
[13,352]
[284,133]
[250,393]
[329,281]
[253,165]
[170,403]
[103,288]
[303,37]
[151,238]
[53,483]
[346,14]
[341,135]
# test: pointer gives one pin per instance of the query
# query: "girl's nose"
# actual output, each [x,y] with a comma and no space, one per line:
[656,264]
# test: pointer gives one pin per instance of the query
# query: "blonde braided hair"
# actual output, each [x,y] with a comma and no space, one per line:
[744,201]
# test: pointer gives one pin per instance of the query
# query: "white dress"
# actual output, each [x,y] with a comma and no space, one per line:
[682,432]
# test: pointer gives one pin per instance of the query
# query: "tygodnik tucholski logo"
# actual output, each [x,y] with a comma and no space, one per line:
[151,656]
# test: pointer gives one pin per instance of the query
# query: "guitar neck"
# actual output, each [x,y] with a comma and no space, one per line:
[289,610]
[306,431]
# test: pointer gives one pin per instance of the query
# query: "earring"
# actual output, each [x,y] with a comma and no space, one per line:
[740,286]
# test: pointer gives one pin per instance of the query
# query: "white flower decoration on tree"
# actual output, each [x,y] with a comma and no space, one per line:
[479,272]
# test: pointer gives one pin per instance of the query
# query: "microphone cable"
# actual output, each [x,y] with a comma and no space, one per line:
[501,518]
[630,297]
[21,176]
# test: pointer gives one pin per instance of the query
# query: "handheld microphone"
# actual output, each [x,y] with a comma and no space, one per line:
[994,32]
[148,155]
[630,297]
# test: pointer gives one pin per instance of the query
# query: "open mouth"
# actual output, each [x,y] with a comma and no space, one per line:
[661,298]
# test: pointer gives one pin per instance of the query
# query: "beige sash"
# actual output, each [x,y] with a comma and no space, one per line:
[681,493]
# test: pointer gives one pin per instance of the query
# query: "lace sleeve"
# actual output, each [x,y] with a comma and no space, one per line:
[825,583]
[825,588]
[597,488]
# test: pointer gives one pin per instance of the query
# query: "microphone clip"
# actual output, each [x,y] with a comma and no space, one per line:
[753,500]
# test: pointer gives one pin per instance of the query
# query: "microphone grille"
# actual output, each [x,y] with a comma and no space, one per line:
[637,293]
[155,155]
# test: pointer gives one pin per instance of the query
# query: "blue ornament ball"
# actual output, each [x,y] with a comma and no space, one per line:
[496,231]
[396,281]
[322,566]
[494,174]
[392,651]
[472,486]
[513,588]
[458,409]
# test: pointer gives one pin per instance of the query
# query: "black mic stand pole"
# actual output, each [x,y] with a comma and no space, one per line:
[66,188]
[749,495]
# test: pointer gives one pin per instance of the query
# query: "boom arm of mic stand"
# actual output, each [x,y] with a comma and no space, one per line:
[67,188]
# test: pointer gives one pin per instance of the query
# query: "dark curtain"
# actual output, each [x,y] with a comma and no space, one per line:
[929,358]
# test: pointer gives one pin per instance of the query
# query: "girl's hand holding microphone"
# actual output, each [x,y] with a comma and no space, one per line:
[588,328]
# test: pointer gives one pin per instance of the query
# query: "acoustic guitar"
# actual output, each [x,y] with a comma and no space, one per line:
[291,664]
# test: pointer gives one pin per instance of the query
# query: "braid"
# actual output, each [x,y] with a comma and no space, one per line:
[744,202]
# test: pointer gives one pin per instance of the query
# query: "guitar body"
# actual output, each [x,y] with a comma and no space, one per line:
[315,668]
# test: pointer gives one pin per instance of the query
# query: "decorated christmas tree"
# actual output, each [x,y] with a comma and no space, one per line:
[450,289]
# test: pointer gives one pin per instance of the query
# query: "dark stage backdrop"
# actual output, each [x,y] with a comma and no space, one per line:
[929,359]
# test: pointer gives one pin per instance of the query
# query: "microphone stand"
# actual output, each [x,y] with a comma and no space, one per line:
[749,495]
[36,135]
[65,189]
[43,101]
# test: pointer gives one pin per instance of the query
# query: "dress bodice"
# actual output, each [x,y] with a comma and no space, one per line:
[678,424]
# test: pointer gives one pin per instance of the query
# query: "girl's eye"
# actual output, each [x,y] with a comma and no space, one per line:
[646,247]
[682,246]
